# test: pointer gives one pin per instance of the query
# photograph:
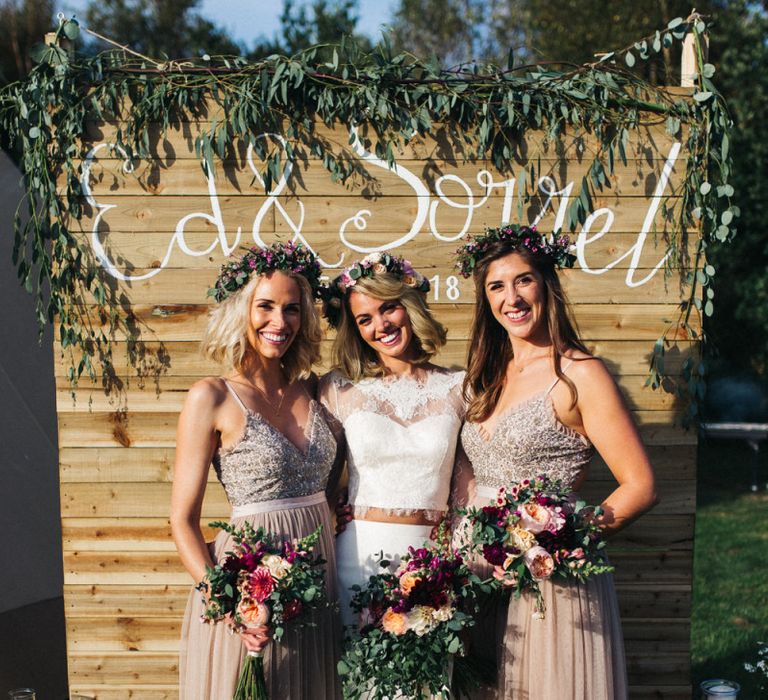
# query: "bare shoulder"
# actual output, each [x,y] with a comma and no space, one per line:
[591,376]
[206,394]
[588,372]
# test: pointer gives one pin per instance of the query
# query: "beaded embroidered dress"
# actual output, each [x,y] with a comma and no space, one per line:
[264,471]
[577,650]
[401,435]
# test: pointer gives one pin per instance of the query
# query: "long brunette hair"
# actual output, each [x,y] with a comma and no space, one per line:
[490,349]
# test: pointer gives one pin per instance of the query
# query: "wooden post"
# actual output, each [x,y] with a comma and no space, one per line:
[62,42]
[688,69]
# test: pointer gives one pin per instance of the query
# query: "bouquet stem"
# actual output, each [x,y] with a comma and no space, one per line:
[251,685]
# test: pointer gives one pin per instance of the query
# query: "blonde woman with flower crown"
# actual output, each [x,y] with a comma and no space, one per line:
[272,451]
[540,403]
[398,414]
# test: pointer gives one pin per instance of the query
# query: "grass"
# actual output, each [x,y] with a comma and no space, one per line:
[730,588]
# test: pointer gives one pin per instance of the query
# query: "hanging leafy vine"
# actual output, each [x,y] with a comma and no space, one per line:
[487,111]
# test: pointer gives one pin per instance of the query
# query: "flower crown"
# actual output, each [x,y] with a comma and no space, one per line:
[557,248]
[370,265]
[287,257]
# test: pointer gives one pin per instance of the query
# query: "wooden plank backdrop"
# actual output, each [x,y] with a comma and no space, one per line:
[161,228]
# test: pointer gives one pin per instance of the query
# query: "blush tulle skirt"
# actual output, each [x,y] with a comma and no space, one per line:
[300,667]
[575,652]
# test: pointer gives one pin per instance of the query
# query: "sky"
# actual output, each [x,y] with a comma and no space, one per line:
[246,20]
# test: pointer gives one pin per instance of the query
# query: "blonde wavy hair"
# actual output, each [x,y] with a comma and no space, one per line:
[226,337]
[354,358]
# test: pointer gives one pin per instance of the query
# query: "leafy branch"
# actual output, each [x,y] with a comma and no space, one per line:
[485,111]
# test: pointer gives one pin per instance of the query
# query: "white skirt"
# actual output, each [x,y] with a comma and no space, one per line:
[361,547]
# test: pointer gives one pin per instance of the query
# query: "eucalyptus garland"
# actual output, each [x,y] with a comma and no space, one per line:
[487,111]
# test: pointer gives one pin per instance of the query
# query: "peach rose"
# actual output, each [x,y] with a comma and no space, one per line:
[394,622]
[534,518]
[408,581]
[379,269]
[539,562]
[253,613]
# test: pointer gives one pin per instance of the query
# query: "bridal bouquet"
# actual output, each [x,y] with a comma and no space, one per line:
[410,622]
[262,581]
[533,531]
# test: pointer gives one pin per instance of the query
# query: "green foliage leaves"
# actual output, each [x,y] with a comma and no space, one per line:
[488,112]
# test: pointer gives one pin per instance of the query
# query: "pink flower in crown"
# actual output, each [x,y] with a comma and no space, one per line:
[346,280]
[539,562]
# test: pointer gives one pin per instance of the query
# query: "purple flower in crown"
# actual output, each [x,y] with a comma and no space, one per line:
[287,257]
[558,249]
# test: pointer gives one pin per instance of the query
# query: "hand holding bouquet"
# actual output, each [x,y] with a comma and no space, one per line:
[263,581]
[533,531]
[410,622]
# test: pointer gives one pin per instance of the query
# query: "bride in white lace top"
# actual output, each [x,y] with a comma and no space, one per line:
[399,415]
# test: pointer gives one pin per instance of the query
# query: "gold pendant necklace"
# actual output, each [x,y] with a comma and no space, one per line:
[531,361]
[266,398]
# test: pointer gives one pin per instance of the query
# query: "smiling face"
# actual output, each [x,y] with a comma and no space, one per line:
[516,295]
[274,318]
[384,325]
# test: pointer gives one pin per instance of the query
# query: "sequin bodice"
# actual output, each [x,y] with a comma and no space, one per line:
[264,465]
[528,440]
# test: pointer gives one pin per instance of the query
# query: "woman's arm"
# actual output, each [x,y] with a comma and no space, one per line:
[196,441]
[462,481]
[607,422]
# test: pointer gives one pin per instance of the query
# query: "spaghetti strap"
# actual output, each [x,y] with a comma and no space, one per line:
[232,391]
[557,379]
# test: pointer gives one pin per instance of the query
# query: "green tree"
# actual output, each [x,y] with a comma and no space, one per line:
[306,24]
[574,31]
[448,29]
[24,24]
[739,327]
[157,28]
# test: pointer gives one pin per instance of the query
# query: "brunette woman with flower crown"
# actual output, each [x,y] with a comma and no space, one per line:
[272,450]
[539,403]
[399,414]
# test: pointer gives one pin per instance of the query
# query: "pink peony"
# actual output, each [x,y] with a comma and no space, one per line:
[539,562]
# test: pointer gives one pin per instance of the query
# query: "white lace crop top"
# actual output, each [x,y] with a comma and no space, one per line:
[401,435]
